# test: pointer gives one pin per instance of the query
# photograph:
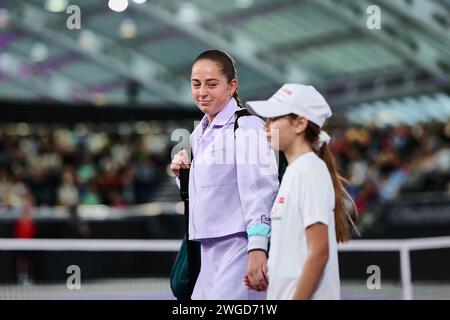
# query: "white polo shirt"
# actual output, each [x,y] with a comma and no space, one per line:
[305,197]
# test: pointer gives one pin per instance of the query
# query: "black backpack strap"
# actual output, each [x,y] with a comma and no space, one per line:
[282,163]
[184,182]
[240,113]
[184,193]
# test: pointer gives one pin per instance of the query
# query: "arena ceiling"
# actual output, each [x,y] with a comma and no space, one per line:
[143,55]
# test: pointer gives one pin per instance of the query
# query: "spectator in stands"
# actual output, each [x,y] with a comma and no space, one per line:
[91,196]
[127,183]
[25,228]
[67,191]
[77,227]
[145,171]
[12,190]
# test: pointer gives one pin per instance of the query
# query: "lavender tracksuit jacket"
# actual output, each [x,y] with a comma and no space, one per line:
[233,180]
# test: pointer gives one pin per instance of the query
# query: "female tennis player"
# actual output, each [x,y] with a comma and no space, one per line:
[230,196]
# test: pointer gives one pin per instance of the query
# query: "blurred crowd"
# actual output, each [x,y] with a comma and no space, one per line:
[87,165]
[82,165]
[382,163]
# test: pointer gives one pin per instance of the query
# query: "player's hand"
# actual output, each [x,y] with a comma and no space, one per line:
[180,161]
[256,277]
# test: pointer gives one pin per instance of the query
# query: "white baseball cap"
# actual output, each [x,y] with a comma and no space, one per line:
[294,98]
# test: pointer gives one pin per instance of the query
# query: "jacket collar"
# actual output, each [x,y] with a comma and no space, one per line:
[221,118]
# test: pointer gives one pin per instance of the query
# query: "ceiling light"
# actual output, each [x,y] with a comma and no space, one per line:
[56,5]
[128,28]
[188,13]
[243,3]
[39,52]
[118,5]
[87,40]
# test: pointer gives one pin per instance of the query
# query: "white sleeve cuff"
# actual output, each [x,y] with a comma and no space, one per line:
[177,181]
[258,242]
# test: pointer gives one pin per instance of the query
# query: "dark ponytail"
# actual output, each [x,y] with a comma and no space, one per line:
[345,209]
[227,67]
[238,100]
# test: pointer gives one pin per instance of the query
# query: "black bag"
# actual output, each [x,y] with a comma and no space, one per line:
[186,267]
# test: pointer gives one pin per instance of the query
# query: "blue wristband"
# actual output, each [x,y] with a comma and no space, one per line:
[259,230]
